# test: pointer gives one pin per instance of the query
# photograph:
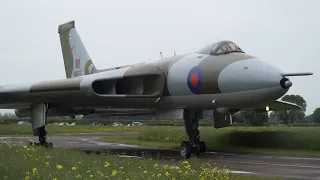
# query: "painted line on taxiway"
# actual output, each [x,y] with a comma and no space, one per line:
[106,144]
[272,164]
[241,172]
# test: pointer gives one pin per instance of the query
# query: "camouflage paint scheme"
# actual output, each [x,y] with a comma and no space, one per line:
[197,80]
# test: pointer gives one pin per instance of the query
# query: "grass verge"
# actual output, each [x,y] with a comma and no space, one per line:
[293,141]
[17,162]
[14,129]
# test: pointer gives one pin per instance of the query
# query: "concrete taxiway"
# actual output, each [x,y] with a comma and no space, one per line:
[270,166]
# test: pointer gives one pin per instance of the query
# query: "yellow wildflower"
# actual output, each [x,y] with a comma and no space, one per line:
[155,166]
[54,178]
[73,168]
[78,176]
[188,167]
[114,172]
[88,171]
[79,162]
[185,163]
[145,172]
[159,175]
[167,174]
[91,176]
[107,164]
[27,178]
[59,166]
[173,178]
[101,174]
[34,170]
[27,173]
[47,163]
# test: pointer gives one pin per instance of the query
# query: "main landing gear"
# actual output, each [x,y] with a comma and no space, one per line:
[194,146]
[39,117]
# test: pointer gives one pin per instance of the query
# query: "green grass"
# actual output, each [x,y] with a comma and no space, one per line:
[264,140]
[17,162]
[14,129]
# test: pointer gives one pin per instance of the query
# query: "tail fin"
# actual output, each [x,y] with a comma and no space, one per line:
[77,61]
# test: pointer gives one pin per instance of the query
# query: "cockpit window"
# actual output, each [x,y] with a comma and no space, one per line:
[226,48]
[219,51]
[221,47]
[214,47]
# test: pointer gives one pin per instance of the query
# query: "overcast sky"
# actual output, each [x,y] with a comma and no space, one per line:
[283,33]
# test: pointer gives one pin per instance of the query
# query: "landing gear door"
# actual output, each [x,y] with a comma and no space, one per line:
[221,120]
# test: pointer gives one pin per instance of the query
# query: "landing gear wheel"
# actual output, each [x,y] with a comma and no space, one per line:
[44,144]
[196,150]
[32,143]
[185,149]
[48,145]
[203,147]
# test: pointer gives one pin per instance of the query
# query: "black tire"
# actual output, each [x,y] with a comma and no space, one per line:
[203,147]
[34,144]
[196,150]
[49,145]
[185,149]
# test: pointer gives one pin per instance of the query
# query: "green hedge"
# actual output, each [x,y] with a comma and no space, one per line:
[306,138]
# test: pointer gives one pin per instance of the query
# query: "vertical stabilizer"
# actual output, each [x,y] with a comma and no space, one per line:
[77,61]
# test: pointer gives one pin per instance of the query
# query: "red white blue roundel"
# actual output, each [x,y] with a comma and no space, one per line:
[195,80]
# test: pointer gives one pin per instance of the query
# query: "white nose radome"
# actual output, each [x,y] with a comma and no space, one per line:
[251,74]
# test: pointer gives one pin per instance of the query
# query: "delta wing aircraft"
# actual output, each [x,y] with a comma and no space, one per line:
[220,77]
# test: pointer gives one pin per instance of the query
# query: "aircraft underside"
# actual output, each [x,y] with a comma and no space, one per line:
[190,116]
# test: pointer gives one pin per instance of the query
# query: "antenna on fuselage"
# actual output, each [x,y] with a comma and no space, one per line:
[161,54]
[174,52]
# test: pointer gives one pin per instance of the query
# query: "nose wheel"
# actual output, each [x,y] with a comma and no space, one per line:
[187,149]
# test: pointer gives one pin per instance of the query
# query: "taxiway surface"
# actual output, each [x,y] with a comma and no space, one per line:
[269,166]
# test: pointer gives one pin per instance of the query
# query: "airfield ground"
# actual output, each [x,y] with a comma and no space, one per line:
[17,162]
[292,141]
[295,141]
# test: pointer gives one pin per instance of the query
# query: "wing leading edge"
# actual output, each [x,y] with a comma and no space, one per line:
[278,105]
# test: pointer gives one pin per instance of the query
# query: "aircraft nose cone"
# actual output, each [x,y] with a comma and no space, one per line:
[285,83]
[249,75]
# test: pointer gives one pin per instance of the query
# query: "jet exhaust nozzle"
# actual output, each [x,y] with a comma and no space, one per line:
[285,83]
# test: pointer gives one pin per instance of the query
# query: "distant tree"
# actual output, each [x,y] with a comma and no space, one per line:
[309,118]
[238,118]
[273,119]
[254,118]
[291,116]
[316,115]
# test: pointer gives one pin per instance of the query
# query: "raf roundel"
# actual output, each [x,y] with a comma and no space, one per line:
[195,80]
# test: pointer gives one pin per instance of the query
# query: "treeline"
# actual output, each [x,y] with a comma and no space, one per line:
[288,117]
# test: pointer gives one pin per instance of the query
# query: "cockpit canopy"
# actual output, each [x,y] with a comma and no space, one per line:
[221,47]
